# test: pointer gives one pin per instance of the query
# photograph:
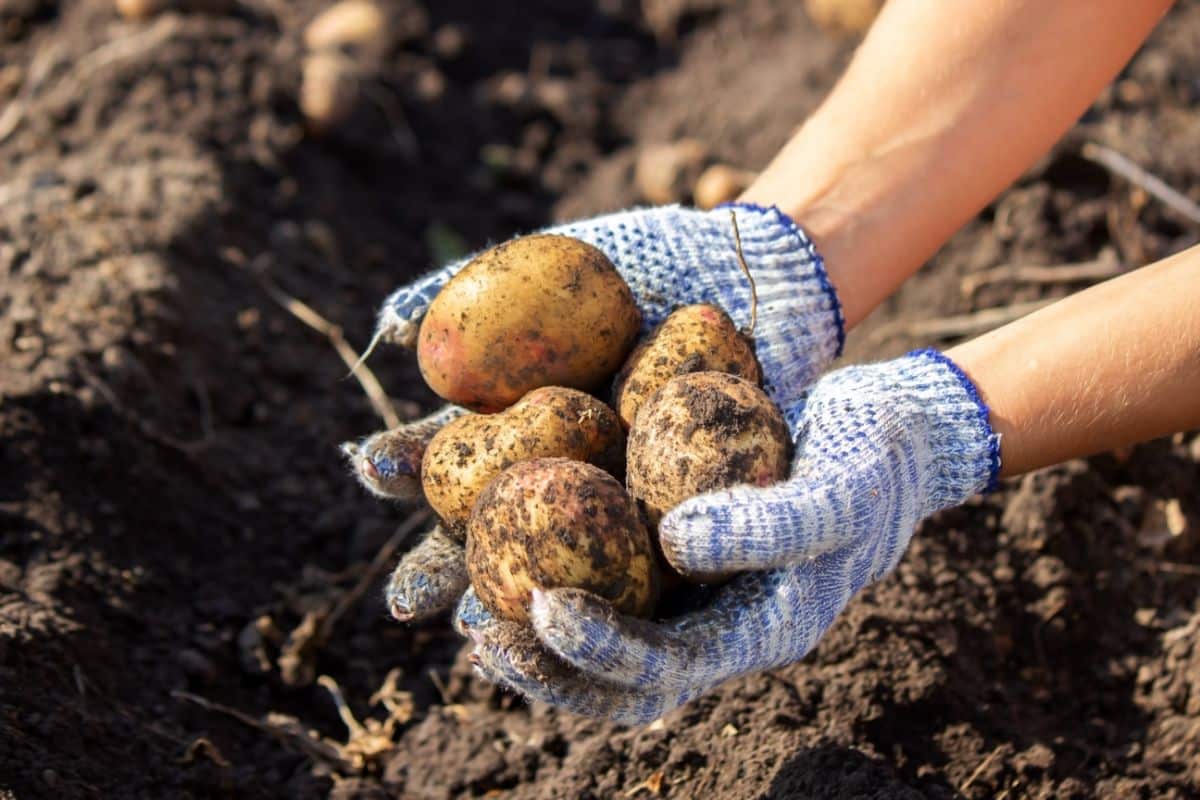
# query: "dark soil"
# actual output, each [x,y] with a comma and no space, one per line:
[172,503]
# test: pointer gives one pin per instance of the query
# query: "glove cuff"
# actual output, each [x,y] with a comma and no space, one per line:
[965,448]
[800,327]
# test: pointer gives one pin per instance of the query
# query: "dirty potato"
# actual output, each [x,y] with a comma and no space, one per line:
[464,456]
[553,522]
[702,432]
[542,310]
[697,338]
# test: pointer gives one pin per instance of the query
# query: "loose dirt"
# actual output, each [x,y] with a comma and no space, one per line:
[174,516]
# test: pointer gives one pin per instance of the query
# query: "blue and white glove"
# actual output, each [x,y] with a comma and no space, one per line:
[670,256]
[878,448]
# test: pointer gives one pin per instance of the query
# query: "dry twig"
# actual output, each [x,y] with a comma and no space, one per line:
[956,326]
[737,237]
[126,47]
[1105,266]
[203,746]
[46,61]
[979,770]
[653,785]
[43,64]
[1153,185]
[402,132]
[366,742]
[374,570]
[306,314]
[287,730]
[298,653]
[145,426]
[1170,567]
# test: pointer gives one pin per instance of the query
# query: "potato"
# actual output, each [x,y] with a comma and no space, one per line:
[329,90]
[553,522]
[144,9]
[664,172]
[841,17]
[702,432]
[464,456]
[721,183]
[541,310]
[357,27]
[141,9]
[697,338]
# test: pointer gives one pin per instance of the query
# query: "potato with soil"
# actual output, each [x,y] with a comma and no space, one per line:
[702,432]
[469,452]
[696,338]
[541,310]
[553,522]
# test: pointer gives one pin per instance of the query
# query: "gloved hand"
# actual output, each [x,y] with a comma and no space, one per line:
[878,448]
[670,256]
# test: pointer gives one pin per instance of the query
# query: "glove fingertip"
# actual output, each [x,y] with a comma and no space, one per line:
[397,328]
[695,534]
[570,622]
[471,614]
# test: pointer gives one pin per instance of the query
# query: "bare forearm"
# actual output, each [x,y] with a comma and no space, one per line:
[1107,367]
[942,108]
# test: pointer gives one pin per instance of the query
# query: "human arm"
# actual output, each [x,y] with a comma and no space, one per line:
[942,107]
[1113,365]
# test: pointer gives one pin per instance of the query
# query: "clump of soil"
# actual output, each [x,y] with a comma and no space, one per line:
[174,516]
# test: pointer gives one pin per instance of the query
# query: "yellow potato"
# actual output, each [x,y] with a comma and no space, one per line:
[663,172]
[359,27]
[702,432]
[842,17]
[553,522]
[697,338]
[469,452]
[541,310]
[329,90]
[721,183]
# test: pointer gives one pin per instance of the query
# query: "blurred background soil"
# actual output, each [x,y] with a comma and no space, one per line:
[177,528]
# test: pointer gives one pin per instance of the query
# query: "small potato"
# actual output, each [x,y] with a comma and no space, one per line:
[541,310]
[357,27]
[329,90]
[553,522]
[698,338]
[468,453]
[721,183]
[664,172]
[702,432]
[141,9]
[144,9]
[842,17]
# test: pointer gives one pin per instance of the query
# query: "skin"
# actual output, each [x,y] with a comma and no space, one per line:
[937,114]
[903,153]
[1108,367]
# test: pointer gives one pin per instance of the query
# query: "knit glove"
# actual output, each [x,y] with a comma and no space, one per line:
[878,448]
[670,256]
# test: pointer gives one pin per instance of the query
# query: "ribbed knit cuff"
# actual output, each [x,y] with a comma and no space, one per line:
[966,450]
[800,328]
